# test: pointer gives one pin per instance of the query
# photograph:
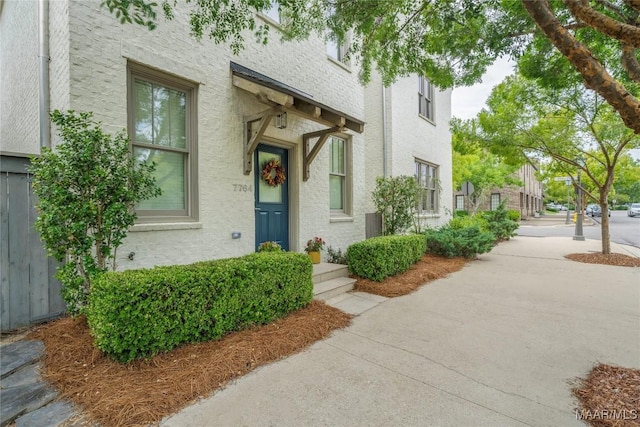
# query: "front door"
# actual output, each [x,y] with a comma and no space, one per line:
[271,168]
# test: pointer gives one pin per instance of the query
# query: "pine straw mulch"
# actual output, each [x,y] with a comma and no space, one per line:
[430,267]
[619,260]
[610,396]
[144,391]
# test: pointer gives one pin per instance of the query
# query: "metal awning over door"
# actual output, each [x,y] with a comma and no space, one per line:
[283,98]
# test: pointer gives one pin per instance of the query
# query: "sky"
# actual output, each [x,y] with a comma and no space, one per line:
[466,102]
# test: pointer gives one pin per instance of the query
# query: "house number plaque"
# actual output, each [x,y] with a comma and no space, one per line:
[242,187]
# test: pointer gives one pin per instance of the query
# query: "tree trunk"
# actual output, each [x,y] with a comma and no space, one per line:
[593,72]
[604,224]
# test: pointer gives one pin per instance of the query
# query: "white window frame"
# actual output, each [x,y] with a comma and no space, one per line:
[138,72]
[346,177]
[425,99]
[460,206]
[429,199]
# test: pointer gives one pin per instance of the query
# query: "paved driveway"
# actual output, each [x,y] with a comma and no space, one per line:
[498,343]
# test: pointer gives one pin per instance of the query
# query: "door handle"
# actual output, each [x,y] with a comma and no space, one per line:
[257,209]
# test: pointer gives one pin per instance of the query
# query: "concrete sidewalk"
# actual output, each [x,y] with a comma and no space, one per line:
[498,343]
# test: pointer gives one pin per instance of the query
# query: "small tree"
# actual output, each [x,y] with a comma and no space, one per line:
[396,199]
[86,191]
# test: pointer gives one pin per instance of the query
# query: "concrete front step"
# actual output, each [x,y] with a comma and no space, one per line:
[332,287]
[327,271]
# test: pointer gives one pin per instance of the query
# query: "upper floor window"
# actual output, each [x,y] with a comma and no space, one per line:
[427,177]
[162,121]
[273,12]
[337,50]
[425,98]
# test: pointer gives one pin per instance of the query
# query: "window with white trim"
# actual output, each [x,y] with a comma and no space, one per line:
[495,201]
[459,202]
[162,117]
[427,177]
[339,176]
[425,98]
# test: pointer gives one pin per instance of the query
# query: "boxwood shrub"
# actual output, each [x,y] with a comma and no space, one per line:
[139,313]
[384,256]
[453,242]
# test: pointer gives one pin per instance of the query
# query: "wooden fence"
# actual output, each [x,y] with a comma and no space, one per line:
[29,292]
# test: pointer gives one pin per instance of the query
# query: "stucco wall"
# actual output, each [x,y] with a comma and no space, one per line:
[19,120]
[99,51]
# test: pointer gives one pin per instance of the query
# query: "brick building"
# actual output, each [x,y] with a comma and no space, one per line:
[211,121]
[526,199]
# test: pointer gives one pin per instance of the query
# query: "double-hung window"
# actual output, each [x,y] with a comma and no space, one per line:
[163,129]
[427,177]
[425,98]
[338,176]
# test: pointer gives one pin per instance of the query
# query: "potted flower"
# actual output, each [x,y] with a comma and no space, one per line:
[313,248]
[269,246]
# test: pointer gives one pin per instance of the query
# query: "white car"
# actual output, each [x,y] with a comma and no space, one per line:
[633,209]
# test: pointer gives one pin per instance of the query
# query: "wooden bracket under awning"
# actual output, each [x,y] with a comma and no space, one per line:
[286,99]
[310,153]
[252,138]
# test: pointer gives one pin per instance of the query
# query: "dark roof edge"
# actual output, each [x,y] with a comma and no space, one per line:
[267,81]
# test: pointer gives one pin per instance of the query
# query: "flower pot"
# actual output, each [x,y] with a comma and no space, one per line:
[315,257]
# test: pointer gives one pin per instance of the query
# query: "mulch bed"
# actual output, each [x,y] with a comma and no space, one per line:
[619,260]
[429,268]
[610,396]
[144,391]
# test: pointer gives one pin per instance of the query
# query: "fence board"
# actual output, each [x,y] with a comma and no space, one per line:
[18,204]
[5,309]
[29,292]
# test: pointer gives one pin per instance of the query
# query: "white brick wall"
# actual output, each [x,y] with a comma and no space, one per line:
[99,49]
[19,120]
[409,136]
[89,54]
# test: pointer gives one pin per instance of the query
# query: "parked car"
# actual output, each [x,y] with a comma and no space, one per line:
[597,211]
[633,209]
[589,208]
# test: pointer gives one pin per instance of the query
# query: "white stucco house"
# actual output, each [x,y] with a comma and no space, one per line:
[211,121]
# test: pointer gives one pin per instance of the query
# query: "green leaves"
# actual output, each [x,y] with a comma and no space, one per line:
[384,256]
[396,198]
[86,190]
[139,313]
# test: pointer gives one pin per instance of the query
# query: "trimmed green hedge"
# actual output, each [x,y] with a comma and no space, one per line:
[384,256]
[139,313]
[453,242]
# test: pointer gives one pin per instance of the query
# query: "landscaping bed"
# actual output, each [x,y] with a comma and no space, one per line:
[144,391]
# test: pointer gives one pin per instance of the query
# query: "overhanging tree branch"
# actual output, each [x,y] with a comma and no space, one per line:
[624,32]
[593,72]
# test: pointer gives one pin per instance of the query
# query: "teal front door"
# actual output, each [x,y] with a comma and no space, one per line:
[271,165]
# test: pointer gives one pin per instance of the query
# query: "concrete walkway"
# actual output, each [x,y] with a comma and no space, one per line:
[498,343]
